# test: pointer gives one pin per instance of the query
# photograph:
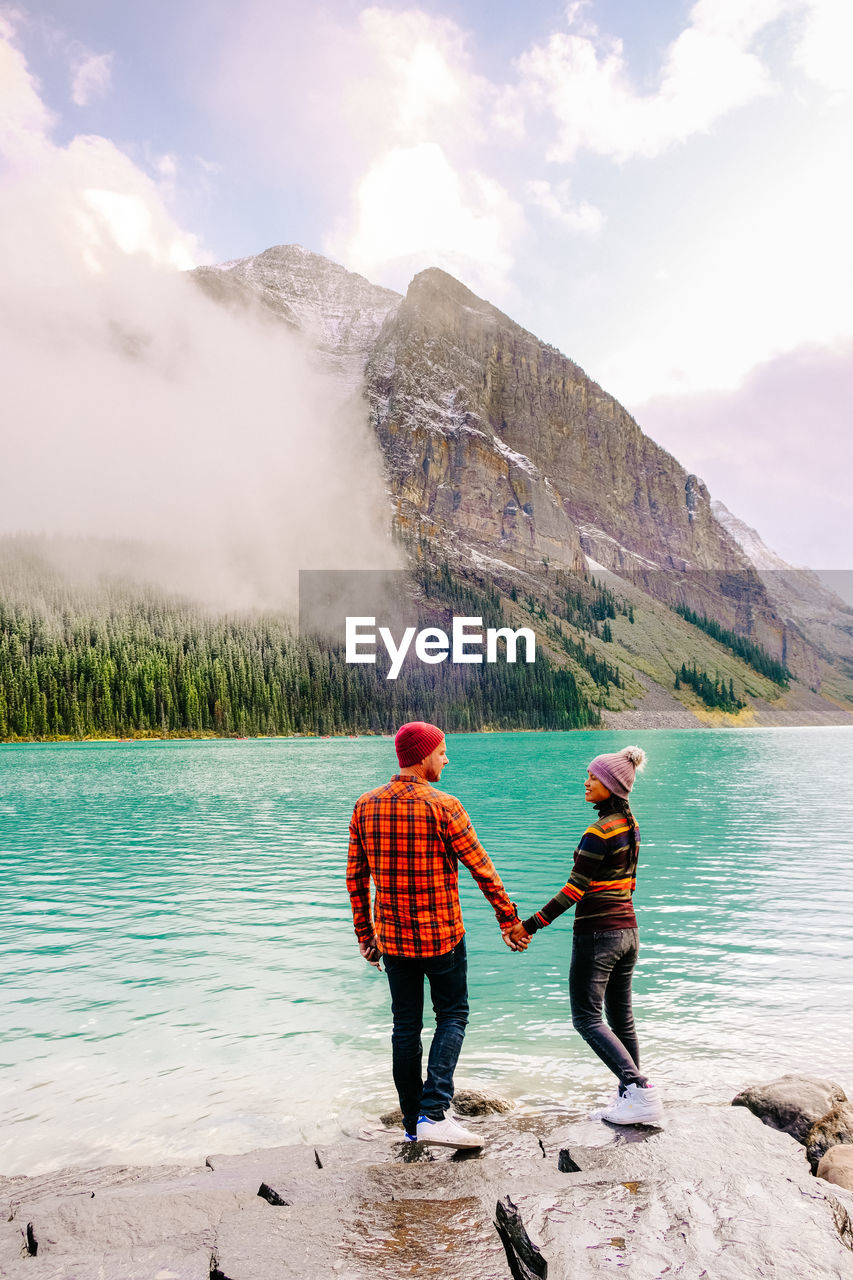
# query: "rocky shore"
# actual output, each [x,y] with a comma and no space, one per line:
[717,1193]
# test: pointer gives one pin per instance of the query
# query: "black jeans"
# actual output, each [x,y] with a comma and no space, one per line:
[602,966]
[448,985]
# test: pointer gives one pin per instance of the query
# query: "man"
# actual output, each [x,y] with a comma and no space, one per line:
[410,839]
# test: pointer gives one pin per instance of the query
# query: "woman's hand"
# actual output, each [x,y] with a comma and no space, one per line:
[516,938]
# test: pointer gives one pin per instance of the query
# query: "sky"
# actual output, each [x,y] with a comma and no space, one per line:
[662,191]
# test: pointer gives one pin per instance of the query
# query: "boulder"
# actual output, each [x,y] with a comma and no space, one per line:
[792,1103]
[837,1166]
[830,1130]
[466,1102]
[473,1102]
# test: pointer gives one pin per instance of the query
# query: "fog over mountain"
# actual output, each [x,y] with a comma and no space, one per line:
[138,410]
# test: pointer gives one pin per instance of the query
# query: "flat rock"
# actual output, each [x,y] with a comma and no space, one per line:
[837,1166]
[714,1193]
[167,1262]
[793,1103]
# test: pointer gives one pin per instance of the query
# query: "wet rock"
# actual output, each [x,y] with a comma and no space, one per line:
[292,1243]
[837,1166]
[792,1103]
[273,1165]
[833,1128]
[715,1192]
[415,1152]
[466,1102]
[473,1102]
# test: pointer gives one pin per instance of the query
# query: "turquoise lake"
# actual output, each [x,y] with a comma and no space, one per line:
[181,975]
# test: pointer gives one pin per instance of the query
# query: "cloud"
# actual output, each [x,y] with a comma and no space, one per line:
[414,210]
[750,446]
[415,71]
[760,267]
[136,408]
[422,198]
[708,71]
[556,201]
[823,51]
[91,77]
[385,122]
[722,244]
[24,118]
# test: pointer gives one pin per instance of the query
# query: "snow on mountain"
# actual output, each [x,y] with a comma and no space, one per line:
[340,312]
[751,542]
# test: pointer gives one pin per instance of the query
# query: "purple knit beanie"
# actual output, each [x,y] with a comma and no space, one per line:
[617,770]
[415,741]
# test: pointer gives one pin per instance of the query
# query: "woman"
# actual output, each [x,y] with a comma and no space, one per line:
[605,945]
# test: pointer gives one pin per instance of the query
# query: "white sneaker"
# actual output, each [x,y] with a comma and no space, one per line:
[446,1133]
[600,1112]
[638,1105]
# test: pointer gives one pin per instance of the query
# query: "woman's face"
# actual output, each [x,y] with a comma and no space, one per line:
[595,790]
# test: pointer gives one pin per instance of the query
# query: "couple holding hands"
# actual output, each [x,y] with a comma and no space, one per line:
[409,839]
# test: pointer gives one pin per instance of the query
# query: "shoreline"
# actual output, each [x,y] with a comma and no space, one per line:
[715,1190]
[614,725]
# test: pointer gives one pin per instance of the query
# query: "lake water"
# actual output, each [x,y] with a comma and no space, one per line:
[181,974]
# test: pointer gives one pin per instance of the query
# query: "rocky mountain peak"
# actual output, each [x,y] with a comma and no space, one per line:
[433,286]
[338,311]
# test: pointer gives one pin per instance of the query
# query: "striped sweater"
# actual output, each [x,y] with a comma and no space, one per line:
[603,876]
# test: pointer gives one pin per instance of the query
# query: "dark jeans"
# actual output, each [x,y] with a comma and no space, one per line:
[448,985]
[602,966]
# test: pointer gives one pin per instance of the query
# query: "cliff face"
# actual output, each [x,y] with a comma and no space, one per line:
[440,384]
[496,437]
[500,447]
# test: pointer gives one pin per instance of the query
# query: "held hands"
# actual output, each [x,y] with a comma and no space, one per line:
[516,937]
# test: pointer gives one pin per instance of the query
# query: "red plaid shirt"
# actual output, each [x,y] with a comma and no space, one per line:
[411,838]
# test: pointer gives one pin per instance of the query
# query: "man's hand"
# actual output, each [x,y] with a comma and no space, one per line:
[516,937]
[370,951]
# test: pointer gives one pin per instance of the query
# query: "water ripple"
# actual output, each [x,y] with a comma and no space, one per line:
[181,972]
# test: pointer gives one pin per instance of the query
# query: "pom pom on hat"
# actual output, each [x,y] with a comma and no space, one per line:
[617,769]
[415,741]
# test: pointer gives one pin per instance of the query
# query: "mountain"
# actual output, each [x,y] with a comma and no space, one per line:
[503,458]
[798,595]
[339,312]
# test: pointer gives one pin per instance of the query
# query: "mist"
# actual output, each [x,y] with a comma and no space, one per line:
[136,410]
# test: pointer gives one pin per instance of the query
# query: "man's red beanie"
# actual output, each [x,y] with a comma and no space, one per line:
[415,741]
